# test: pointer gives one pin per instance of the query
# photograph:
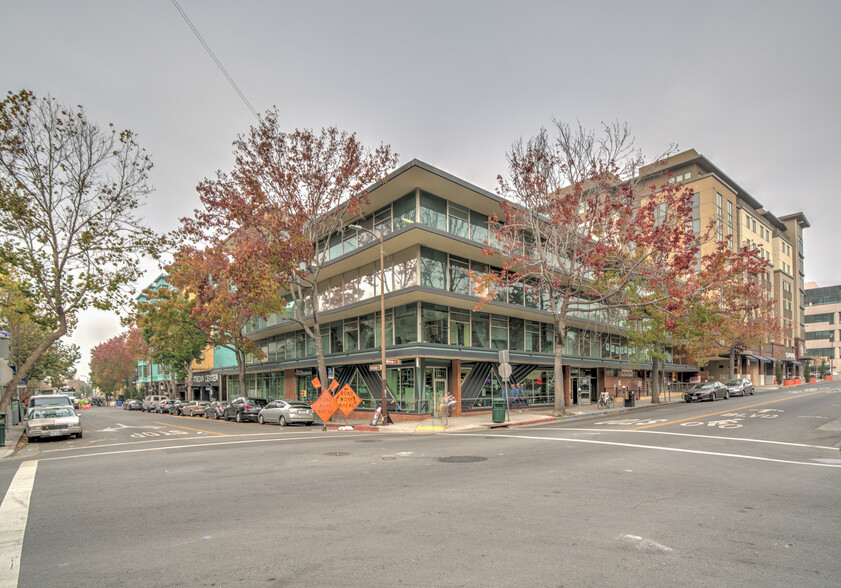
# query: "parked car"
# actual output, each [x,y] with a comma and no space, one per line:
[194,407]
[133,405]
[164,406]
[706,391]
[286,412]
[44,400]
[215,410]
[740,387]
[53,421]
[244,409]
[177,406]
[148,402]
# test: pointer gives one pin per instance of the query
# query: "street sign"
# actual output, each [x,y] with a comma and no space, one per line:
[347,399]
[394,362]
[375,368]
[325,405]
[504,356]
[505,370]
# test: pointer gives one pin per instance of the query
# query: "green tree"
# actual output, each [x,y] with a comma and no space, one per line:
[69,195]
[167,324]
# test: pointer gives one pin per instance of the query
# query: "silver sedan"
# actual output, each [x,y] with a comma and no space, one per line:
[286,412]
[196,407]
[740,387]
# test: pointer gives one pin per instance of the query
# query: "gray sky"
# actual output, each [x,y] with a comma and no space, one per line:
[754,86]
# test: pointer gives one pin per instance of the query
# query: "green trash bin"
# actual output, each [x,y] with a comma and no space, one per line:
[499,410]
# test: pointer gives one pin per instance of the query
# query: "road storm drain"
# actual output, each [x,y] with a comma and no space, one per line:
[462,459]
[337,453]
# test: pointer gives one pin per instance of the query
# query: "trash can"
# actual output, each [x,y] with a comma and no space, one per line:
[629,399]
[498,410]
[2,430]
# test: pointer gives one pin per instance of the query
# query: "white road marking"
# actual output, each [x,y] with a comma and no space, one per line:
[13,515]
[658,448]
[764,441]
[645,544]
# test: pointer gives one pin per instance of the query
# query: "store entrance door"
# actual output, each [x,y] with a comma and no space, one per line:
[435,388]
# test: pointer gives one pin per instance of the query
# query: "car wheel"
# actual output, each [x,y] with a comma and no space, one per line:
[239,417]
[727,395]
[751,391]
[215,416]
[79,435]
[261,420]
[712,396]
[309,424]
[282,422]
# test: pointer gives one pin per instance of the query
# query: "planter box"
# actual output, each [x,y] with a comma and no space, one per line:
[811,380]
[796,380]
[827,377]
[788,382]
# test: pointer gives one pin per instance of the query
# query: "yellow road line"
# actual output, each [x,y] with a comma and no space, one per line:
[703,416]
[192,429]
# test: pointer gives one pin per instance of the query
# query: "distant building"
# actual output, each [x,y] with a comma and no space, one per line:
[735,212]
[823,313]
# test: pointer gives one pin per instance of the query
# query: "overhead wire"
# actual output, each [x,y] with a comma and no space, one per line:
[215,59]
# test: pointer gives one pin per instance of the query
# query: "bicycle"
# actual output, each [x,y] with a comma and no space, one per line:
[605,400]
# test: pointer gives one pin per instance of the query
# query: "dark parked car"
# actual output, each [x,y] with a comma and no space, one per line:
[740,387]
[176,406]
[133,405]
[245,409]
[165,406]
[286,412]
[215,410]
[707,391]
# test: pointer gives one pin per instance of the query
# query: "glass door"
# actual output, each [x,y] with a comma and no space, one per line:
[434,390]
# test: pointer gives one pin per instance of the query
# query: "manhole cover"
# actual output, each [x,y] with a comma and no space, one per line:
[461,459]
[337,453]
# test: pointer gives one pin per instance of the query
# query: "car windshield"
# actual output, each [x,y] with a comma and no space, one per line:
[49,401]
[51,413]
[704,386]
[258,401]
[733,383]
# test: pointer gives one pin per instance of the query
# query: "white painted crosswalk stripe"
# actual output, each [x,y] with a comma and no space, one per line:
[14,513]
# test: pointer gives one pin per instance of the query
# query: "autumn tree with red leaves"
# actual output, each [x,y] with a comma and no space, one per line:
[113,363]
[288,193]
[576,232]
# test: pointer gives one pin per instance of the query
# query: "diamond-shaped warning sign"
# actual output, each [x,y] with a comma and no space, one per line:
[325,405]
[347,399]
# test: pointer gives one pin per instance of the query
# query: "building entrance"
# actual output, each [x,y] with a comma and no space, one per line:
[435,388]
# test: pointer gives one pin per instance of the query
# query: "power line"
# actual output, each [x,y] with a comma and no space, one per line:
[215,59]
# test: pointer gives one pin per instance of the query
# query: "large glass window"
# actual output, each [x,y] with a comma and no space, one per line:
[367,325]
[481,329]
[389,328]
[459,221]
[516,333]
[434,321]
[382,221]
[433,211]
[532,336]
[499,332]
[405,324]
[405,269]
[404,211]
[571,341]
[335,245]
[547,344]
[459,280]
[478,226]
[351,341]
[459,327]
[433,268]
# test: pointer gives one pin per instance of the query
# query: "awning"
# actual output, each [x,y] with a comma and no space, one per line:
[795,363]
[760,358]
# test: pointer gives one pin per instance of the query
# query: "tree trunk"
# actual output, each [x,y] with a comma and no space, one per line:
[561,400]
[190,378]
[12,386]
[732,363]
[655,380]
[241,373]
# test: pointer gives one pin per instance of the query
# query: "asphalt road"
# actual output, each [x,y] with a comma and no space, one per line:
[743,491]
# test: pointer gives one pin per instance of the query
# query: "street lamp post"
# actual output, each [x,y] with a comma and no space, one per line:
[382,320]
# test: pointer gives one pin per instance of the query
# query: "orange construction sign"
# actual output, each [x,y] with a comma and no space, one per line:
[316,383]
[333,385]
[347,399]
[325,405]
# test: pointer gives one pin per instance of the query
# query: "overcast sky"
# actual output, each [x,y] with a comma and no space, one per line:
[753,86]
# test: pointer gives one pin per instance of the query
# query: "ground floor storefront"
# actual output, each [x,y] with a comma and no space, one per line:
[416,387]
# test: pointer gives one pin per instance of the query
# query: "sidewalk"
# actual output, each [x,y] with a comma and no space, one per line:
[513,418]
[13,435]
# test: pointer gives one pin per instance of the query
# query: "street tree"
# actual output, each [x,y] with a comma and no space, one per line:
[113,363]
[289,194]
[169,327]
[576,233]
[227,285]
[69,195]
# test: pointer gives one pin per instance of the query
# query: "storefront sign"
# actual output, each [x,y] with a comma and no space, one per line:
[205,379]
[303,371]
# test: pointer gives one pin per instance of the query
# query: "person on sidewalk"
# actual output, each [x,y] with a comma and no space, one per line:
[449,402]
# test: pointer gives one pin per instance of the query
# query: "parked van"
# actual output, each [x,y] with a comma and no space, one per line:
[150,401]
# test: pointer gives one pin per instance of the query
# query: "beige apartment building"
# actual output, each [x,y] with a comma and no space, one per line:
[743,220]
